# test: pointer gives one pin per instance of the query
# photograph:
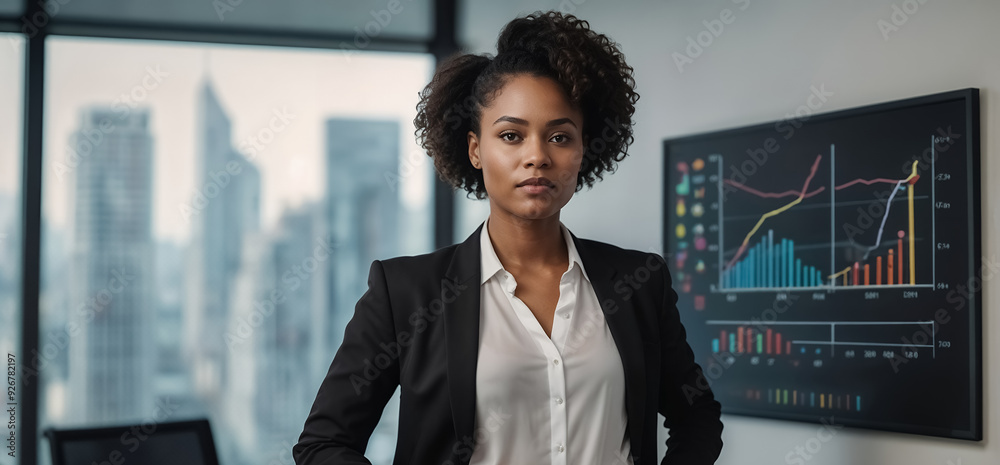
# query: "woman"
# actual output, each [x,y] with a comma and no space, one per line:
[524,344]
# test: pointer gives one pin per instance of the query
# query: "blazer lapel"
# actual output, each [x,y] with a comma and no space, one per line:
[620,315]
[461,326]
[461,320]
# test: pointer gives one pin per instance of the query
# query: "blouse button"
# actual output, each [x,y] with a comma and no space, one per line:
[555,361]
[560,448]
[559,400]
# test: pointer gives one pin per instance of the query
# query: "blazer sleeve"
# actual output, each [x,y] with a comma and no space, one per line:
[361,379]
[691,412]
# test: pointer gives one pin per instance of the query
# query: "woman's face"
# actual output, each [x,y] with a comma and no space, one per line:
[529,131]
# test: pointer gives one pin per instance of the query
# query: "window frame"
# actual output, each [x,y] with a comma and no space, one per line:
[442,44]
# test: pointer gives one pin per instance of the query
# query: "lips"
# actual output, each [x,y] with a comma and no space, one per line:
[537,181]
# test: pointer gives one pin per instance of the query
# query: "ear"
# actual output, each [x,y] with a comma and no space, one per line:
[474,150]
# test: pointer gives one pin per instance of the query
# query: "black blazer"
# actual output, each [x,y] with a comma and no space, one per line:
[417,327]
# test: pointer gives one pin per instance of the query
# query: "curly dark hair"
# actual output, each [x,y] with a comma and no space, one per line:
[588,66]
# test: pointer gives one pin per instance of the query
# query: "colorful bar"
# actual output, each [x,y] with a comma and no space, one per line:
[769,338]
[899,267]
[715,345]
[770,258]
[890,273]
[777,344]
[723,340]
[760,343]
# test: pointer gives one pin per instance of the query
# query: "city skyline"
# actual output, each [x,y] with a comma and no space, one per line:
[255,85]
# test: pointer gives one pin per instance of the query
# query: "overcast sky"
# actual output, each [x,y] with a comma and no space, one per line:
[251,82]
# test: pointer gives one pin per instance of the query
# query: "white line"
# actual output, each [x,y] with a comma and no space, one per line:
[833,206]
[773,323]
[721,263]
[841,288]
[861,344]
[933,216]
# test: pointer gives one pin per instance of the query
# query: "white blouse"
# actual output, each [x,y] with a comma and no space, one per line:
[551,401]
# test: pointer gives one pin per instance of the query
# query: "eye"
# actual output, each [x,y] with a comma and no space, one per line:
[509,136]
[560,138]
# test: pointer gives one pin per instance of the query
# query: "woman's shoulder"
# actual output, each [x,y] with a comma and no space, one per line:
[622,255]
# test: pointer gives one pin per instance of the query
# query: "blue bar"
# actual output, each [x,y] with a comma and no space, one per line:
[761,260]
[791,263]
[779,273]
[858,399]
[798,272]
[812,399]
[732,342]
[770,258]
[715,345]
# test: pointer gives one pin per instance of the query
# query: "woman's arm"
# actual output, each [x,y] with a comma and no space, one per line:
[686,401]
[354,393]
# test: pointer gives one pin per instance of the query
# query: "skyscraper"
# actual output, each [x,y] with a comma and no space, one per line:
[223,211]
[364,214]
[113,272]
[363,209]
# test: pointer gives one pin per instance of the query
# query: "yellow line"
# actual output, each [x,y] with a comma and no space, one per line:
[844,271]
[913,250]
[768,215]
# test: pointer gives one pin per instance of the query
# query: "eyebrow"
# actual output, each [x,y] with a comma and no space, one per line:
[515,120]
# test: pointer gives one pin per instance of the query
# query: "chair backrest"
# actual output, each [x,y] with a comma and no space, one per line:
[167,443]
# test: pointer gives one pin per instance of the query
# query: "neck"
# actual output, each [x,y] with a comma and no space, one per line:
[527,243]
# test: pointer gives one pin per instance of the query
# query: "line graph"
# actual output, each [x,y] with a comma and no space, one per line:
[860,255]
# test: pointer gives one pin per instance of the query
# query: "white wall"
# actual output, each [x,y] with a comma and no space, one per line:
[759,69]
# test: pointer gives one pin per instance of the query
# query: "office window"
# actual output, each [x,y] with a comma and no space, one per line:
[11,7]
[361,20]
[11,152]
[211,213]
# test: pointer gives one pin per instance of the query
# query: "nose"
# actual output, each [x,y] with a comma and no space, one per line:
[537,154]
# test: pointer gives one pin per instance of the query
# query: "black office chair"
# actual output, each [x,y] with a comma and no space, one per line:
[170,443]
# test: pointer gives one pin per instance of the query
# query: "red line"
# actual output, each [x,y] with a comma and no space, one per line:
[868,182]
[792,193]
[773,195]
[805,187]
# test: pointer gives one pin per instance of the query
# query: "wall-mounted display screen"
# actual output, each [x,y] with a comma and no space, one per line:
[828,266]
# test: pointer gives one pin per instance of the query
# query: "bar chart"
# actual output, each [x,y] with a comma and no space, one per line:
[835,269]
[783,248]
